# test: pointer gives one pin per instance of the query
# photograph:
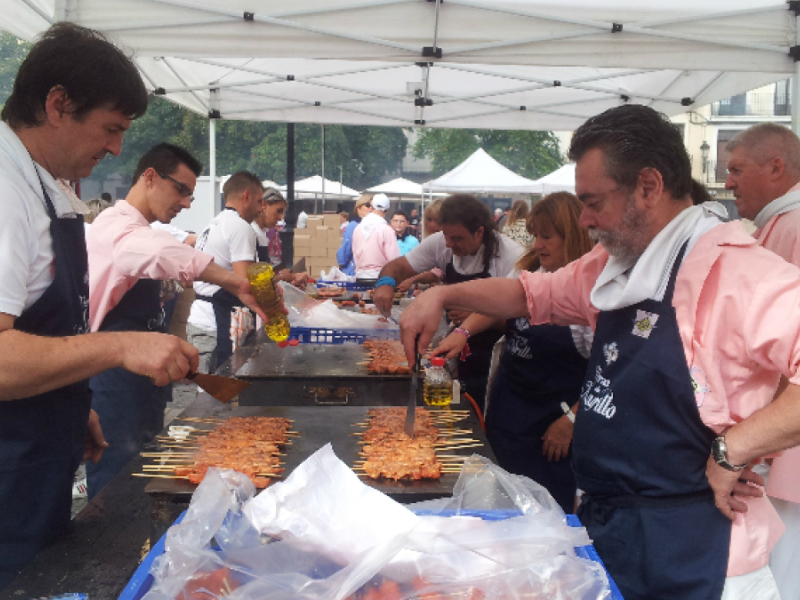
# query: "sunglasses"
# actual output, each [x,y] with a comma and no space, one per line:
[184,191]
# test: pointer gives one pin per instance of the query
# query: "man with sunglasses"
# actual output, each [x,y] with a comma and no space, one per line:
[127,262]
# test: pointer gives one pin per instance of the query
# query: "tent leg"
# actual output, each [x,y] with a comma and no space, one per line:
[212,163]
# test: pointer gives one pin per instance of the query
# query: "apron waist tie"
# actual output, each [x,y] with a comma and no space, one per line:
[639,501]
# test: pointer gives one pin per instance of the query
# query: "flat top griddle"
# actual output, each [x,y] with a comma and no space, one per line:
[331,361]
[319,426]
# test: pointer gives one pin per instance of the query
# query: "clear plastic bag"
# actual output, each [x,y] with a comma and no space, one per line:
[307,312]
[324,534]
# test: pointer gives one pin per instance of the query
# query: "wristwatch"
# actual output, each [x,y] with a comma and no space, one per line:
[568,412]
[719,450]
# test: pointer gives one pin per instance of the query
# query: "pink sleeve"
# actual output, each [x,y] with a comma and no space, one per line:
[152,254]
[562,297]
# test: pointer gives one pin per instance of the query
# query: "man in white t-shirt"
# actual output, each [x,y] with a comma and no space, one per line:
[231,240]
[468,247]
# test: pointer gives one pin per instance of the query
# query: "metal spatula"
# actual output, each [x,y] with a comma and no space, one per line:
[411,412]
[223,389]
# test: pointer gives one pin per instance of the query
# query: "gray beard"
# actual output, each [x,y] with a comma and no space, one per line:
[629,241]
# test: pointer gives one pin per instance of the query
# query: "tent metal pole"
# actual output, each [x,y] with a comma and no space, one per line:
[212,163]
[323,169]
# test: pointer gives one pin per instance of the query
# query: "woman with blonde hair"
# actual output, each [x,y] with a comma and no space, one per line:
[515,227]
[534,394]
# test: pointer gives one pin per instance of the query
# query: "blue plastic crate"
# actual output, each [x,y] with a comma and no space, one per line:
[141,581]
[321,335]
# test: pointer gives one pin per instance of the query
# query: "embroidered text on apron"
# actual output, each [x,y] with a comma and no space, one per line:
[42,437]
[640,453]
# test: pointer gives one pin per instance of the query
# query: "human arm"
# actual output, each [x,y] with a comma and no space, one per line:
[33,364]
[558,436]
[454,343]
[383,296]
[426,278]
[771,429]
[235,282]
[344,255]
[95,442]
[496,297]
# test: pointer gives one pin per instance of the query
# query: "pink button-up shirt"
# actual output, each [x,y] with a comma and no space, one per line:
[781,235]
[123,248]
[738,312]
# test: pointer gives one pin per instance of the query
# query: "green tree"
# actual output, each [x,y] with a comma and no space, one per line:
[531,154]
[12,52]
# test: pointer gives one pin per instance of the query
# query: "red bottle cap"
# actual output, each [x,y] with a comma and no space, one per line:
[437,362]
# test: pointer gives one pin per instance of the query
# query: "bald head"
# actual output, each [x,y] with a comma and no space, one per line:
[764,165]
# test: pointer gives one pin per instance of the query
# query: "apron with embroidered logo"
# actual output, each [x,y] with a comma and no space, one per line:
[42,437]
[540,368]
[639,453]
[130,406]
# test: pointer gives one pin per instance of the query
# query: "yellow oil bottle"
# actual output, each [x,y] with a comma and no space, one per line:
[260,276]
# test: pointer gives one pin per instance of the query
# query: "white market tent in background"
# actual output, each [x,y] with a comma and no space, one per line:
[560,180]
[315,188]
[481,174]
[505,64]
[401,188]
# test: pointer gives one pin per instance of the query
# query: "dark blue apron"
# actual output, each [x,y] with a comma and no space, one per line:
[131,407]
[473,371]
[42,437]
[223,303]
[539,369]
[640,453]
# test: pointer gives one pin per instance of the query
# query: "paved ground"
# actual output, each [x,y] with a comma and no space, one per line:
[182,395]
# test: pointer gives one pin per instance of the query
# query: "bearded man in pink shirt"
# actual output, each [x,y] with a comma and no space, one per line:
[127,261]
[764,174]
[694,325]
[374,240]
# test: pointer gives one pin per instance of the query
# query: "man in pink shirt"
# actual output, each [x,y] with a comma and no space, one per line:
[764,174]
[127,262]
[374,241]
[694,325]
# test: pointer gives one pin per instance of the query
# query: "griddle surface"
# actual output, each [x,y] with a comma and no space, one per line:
[320,425]
[331,361]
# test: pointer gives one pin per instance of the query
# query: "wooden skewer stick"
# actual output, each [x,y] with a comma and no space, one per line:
[479,445]
[159,476]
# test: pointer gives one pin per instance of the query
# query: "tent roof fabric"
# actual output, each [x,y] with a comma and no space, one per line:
[560,180]
[311,187]
[500,64]
[480,173]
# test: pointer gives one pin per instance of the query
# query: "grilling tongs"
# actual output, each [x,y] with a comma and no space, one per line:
[411,412]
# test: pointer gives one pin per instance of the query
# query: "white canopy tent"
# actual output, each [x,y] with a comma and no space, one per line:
[316,188]
[502,64]
[400,188]
[560,180]
[481,174]
[516,64]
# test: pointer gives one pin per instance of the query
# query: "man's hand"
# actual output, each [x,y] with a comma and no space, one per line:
[95,442]
[245,293]
[451,346]
[727,485]
[161,357]
[405,285]
[557,439]
[421,317]
[299,280]
[383,297]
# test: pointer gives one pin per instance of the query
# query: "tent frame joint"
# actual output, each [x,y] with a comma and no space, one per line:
[249,17]
[794,6]
[794,53]
[432,52]
[616,27]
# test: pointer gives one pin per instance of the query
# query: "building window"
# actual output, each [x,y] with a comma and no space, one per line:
[723,137]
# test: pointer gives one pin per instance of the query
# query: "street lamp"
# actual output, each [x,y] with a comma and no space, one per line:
[704,148]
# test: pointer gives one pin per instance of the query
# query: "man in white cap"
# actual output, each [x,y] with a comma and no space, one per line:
[374,241]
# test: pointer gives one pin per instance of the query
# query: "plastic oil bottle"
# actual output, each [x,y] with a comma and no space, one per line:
[260,276]
[438,387]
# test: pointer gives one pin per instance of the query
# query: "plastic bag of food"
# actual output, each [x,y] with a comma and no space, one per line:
[323,534]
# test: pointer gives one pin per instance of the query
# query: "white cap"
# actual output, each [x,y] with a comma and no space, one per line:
[380,202]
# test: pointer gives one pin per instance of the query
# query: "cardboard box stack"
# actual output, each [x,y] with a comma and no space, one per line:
[318,243]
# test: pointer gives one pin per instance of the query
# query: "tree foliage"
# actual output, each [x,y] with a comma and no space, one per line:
[531,154]
[12,52]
